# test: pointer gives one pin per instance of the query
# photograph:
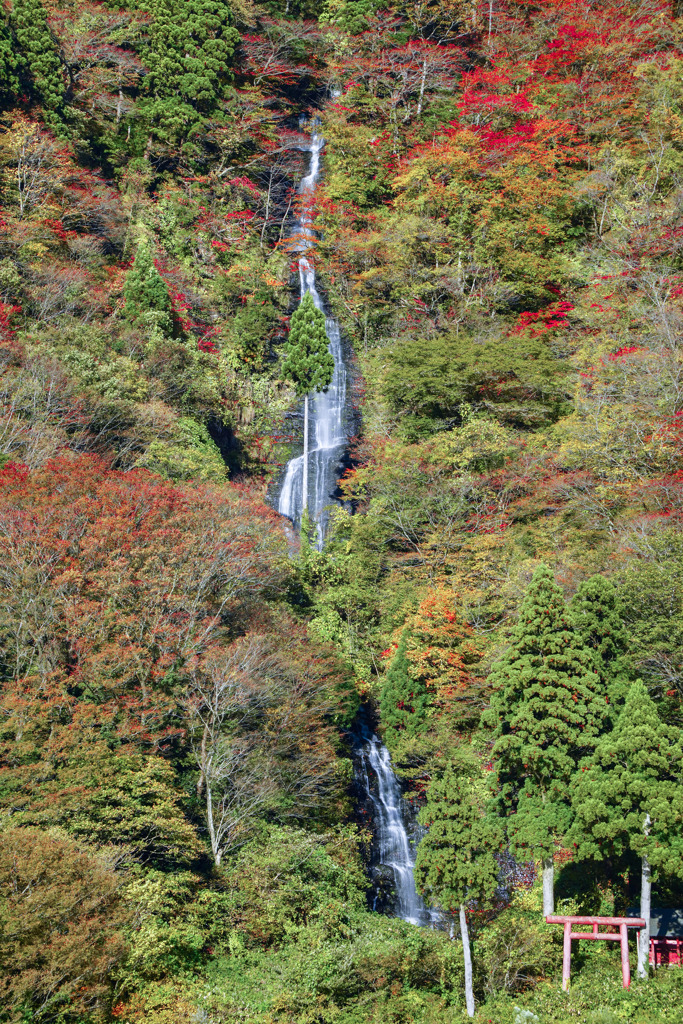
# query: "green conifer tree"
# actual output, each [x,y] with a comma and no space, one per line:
[308,362]
[189,56]
[630,798]
[403,700]
[547,711]
[11,64]
[598,614]
[39,52]
[456,860]
[145,292]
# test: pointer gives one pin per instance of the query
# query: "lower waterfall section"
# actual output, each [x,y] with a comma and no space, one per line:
[393,858]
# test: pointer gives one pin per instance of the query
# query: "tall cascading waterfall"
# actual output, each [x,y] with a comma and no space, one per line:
[327,407]
[394,849]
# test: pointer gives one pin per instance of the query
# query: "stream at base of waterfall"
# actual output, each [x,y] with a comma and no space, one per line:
[394,851]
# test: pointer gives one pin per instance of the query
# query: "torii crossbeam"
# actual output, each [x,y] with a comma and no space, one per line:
[623,923]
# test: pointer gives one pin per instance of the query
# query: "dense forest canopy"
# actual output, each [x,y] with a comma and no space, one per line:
[498,230]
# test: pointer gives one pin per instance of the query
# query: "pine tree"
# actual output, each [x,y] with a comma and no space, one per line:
[37,47]
[403,701]
[630,798]
[11,64]
[189,56]
[308,362]
[547,712]
[145,292]
[598,615]
[455,861]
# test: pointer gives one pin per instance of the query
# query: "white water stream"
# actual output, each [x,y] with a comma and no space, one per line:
[395,849]
[325,455]
[327,407]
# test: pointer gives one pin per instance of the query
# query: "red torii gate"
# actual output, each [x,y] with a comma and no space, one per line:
[623,923]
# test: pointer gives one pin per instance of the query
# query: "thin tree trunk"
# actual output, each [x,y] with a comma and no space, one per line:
[215,849]
[645,902]
[284,219]
[202,777]
[548,886]
[467,954]
[265,219]
[304,504]
[422,87]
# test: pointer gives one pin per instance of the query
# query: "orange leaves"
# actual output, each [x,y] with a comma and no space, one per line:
[441,649]
[115,578]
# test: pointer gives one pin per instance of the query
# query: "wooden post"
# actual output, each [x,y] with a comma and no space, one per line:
[567,956]
[467,956]
[645,909]
[625,966]
[622,923]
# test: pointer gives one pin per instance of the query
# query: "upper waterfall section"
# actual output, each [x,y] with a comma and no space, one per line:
[327,428]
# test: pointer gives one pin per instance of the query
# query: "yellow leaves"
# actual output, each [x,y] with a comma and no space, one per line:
[478,445]
[440,162]
[617,447]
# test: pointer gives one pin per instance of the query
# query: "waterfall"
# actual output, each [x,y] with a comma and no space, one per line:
[394,849]
[327,408]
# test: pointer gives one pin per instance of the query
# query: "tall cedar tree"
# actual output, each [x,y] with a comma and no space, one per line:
[598,614]
[189,56]
[630,799]
[455,861]
[37,47]
[547,712]
[403,700]
[11,64]
[308,363]
[145,291]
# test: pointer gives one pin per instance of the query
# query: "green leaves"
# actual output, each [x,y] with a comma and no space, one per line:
[145,292]
[455,860]
[598,614]
[308,363]
[547,712]
[189,56]
[61,933]
[10,65]
[191,49]
[516,380]
[636,771]
[37,46]
[403,701]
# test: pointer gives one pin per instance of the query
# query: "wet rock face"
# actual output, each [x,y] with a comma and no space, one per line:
[384,898]
[382,810]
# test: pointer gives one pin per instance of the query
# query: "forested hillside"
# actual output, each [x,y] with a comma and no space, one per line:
[498,231]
